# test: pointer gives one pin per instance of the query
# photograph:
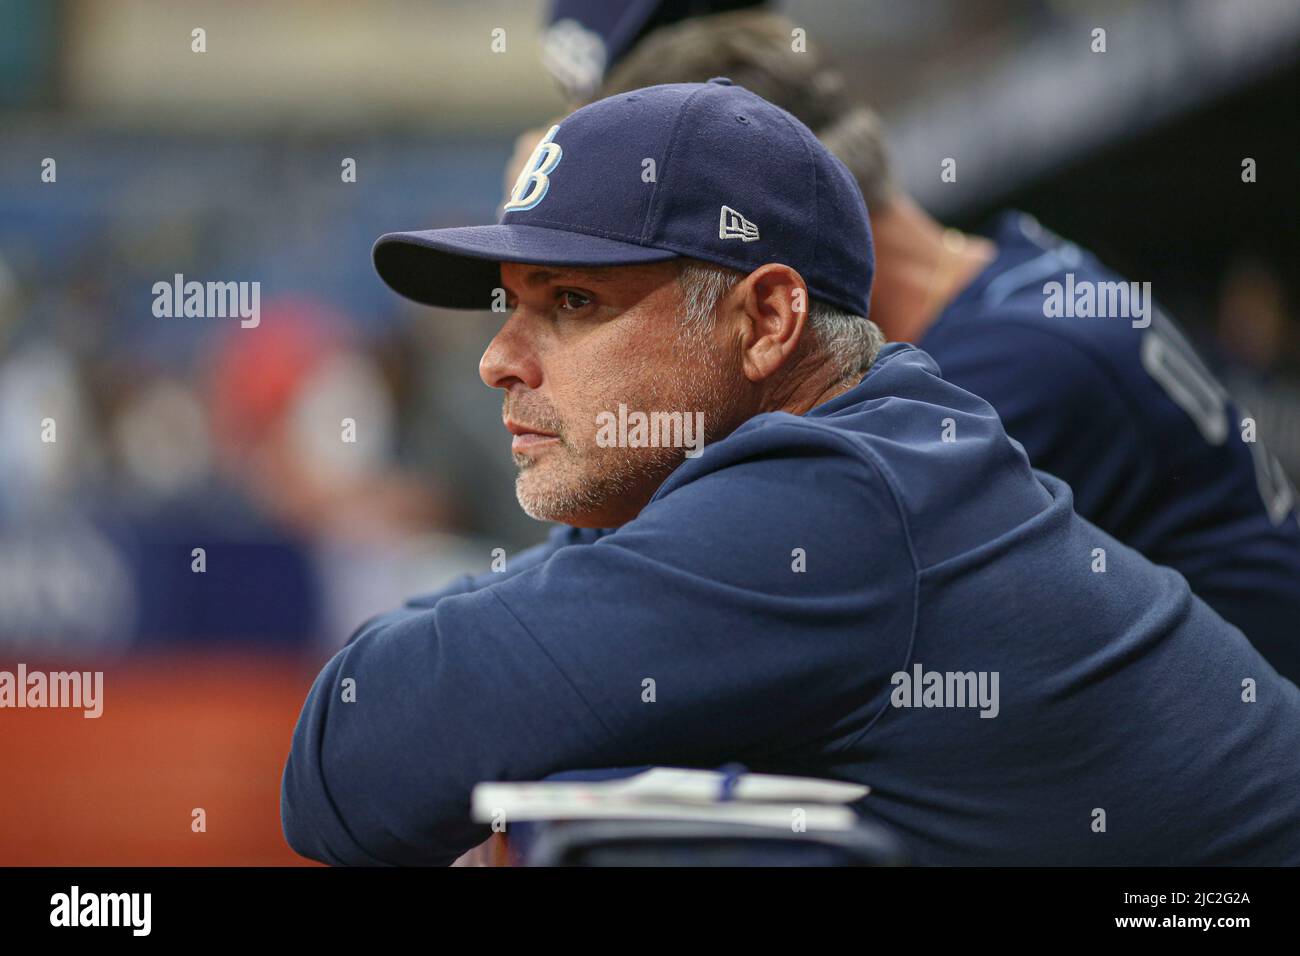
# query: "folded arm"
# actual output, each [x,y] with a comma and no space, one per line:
[684,637]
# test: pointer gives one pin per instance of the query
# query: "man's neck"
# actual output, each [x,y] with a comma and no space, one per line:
[920,268]
[817,389]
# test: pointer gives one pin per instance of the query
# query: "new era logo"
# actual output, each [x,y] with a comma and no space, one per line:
[732,225]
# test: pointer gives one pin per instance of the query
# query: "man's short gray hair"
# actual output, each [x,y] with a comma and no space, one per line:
[848,341]
[752,47]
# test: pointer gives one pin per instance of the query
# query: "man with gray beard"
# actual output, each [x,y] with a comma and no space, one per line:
[852,517]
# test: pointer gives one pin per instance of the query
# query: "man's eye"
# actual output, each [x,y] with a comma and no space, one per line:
[572,301]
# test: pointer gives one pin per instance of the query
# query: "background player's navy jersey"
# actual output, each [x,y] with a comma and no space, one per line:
[772,592]
[1147,439]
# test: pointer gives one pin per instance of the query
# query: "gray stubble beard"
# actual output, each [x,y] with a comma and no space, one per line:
[629,468]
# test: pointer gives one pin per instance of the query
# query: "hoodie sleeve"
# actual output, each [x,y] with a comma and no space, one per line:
[724,622]
[561,536]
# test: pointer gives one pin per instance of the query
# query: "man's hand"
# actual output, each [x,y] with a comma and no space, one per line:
[491,852]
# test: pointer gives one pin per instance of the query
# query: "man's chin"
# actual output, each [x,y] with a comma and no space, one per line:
[577,506]
[604,493]
[544,509]
[540,499]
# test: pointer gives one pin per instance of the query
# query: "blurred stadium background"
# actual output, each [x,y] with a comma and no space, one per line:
[182,433]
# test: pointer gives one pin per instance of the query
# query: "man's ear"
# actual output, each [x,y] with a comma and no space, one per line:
[773,300]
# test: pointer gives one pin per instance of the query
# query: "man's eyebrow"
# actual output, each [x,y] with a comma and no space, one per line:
[543,276]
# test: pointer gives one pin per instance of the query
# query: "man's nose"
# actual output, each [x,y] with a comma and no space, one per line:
[510,357]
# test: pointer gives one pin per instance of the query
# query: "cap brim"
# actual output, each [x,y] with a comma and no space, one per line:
[460,268]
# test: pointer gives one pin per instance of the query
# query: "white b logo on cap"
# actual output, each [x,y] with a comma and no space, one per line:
[534,179]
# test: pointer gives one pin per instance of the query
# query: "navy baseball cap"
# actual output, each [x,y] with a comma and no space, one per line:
[704,170]
[585,38]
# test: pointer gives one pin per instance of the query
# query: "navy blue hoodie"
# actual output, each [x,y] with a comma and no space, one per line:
[781,591]
[1150,444]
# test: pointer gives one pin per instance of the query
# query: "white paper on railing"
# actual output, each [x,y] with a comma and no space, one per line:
[668,793]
